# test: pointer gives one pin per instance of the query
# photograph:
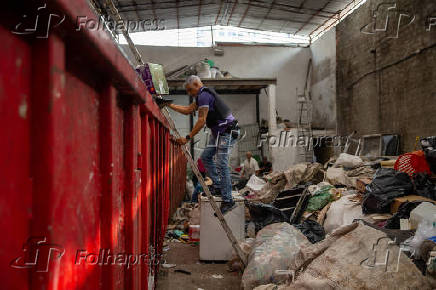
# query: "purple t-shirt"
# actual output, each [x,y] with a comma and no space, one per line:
[206,100]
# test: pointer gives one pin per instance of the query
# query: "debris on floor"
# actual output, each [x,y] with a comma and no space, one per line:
[318,200]
[317,226]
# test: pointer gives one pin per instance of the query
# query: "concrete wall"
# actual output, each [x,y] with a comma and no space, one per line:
[324,81]
[286,64]
[386,82]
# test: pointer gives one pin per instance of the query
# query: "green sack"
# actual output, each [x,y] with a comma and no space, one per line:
[320,198]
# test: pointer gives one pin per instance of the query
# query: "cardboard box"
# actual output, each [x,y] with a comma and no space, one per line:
[361,184]
[399,200]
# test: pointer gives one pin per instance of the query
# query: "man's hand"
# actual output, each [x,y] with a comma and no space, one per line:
[181,141]
[162,102]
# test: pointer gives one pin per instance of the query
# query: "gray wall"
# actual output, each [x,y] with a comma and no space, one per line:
[387,84]
[324,81]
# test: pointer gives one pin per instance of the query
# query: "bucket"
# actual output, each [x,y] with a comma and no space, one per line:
[194,233]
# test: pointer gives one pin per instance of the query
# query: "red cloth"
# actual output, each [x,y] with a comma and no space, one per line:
[200,166]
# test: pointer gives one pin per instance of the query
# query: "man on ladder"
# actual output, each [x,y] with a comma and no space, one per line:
[216,115]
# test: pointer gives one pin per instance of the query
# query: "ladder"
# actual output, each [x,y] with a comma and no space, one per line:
[304,129]
[114,12]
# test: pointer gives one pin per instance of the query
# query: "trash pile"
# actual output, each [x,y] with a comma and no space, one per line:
[184,224]
[351,223]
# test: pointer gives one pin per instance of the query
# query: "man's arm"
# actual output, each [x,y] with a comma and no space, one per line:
[186,110]
[202,115]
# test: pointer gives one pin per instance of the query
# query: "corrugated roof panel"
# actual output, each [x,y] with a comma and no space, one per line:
[278,15]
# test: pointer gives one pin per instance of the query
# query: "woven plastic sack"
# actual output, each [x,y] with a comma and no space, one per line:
[275,249]
[359,260]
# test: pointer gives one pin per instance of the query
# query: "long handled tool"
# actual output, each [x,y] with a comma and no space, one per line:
[185,148]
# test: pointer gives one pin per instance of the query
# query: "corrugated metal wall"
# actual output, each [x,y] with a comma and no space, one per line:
[88,169]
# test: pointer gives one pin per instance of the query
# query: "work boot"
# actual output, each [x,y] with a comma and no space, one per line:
[226,207]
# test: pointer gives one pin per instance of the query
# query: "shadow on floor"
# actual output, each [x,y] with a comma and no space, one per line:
[186,257]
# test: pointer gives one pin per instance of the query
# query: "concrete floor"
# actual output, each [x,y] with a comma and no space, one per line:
[186,257]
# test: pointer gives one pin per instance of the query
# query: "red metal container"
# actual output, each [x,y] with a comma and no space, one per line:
[89,174]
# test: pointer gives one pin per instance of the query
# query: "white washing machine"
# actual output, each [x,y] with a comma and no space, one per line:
[214,244]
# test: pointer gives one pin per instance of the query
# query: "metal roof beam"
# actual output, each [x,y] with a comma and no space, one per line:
[296,9]
[199,13]
[231,13]
[219,12]
[316,14]
[267,13]
[245,13]
[177,13]
[152,9]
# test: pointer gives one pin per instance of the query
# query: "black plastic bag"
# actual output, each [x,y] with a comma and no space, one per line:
[388,179]
[313,231]
[429,147]
[265,214]
[402,213]
[386,185]
[423,186]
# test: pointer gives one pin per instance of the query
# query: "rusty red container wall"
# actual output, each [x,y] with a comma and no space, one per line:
[88,164]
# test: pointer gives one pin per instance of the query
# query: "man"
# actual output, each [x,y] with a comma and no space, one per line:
[250,167]
[216,115]
[265,166]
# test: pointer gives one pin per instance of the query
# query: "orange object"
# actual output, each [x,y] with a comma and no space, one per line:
[412,163]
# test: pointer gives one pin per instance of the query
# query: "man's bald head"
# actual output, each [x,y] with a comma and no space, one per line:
[193,85]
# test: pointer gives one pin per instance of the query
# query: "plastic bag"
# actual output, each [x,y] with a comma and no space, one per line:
[348,161]
[429,147]
[235,263]
[338,176]
[275,249]
[424,187]
[386,185]
[426,229]
[342,212]
[321,198]
[265,214]
[402,213]
[313,231]
[255,183]
[388,179]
